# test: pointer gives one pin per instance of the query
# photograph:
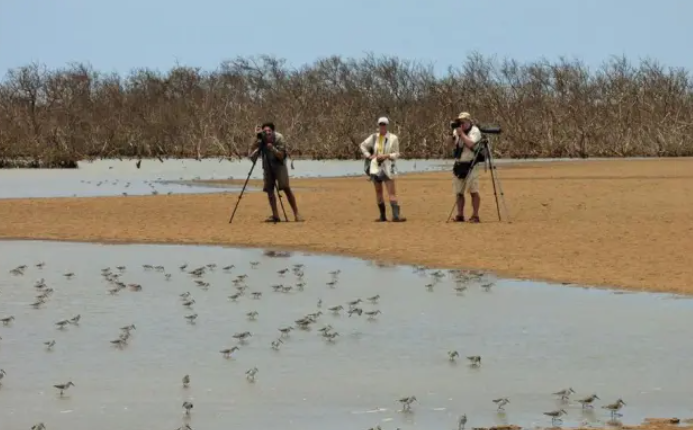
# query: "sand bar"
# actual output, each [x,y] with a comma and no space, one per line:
[625,224]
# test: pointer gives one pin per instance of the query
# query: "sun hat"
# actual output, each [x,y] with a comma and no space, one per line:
[383,120]
[464,116]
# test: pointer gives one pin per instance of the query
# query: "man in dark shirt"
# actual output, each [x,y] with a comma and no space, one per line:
[275,171]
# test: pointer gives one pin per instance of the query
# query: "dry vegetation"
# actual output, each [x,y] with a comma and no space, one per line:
[559,109]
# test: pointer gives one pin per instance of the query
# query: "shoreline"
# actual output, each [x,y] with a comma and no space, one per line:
[601,225]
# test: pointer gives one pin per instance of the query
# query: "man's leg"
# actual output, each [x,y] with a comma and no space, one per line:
[282,175]
[458,188]
[476,198]
[379,199]
[268,187]
[392,193]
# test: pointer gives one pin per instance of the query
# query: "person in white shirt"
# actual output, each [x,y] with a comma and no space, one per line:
[381,151]
[465,139]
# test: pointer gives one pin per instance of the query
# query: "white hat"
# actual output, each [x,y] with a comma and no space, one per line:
[383,120]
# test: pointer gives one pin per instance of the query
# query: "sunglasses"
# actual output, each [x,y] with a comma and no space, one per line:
[382,123]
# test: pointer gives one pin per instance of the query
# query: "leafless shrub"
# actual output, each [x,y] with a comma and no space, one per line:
[547,109]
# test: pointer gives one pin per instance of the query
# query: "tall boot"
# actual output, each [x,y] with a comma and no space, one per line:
[381,208]
[395,213]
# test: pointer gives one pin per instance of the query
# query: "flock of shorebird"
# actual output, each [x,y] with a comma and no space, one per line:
[112,277]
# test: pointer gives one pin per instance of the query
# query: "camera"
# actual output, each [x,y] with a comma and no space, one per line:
[455,124]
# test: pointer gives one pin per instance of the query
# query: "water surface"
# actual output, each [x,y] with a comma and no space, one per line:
[534,339]
[118,177]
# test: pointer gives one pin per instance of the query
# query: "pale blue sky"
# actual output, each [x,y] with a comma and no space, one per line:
[119,35]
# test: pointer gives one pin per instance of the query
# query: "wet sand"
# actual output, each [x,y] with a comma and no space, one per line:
[624,224]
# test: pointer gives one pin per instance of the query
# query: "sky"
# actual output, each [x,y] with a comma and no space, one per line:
[121,35]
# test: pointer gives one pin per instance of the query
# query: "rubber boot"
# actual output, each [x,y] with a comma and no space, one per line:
[395,213]
[381,208]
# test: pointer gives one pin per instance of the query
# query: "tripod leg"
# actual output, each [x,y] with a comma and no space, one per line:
[240,196]
[495,193]
[281,201]
[502,197]
[454,205]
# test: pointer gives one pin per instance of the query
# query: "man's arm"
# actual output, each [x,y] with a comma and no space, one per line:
[254,148]
[367,147]
[279,147]
[472,139]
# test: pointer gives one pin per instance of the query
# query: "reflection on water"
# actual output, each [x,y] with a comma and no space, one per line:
[534,339]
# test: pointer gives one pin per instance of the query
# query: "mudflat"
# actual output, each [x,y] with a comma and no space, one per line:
[621,223]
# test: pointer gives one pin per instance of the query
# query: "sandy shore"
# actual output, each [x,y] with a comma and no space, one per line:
[626,224]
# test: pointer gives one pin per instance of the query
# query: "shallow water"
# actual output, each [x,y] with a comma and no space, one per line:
[534,339]
[116,177]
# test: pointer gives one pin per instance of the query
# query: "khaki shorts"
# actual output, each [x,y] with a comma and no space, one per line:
[472,186]
[280,174]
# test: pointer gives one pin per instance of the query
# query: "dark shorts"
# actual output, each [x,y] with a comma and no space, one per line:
[377,179]
[280,174]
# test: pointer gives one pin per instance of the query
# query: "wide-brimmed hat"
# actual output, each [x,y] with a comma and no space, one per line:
[464,116]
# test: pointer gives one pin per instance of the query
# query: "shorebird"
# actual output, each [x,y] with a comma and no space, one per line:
[62,323]
[128,328]
[189,303]
[69,275]
[63,387]
[235,297]
[256,294]
[372,314]
[39,426]
[564,394]
[250,374]
[121,341]
[242,336]
[354,302]
[319,303]
[252,315]
[587,401]
[188,407]
[614,407]
[49,344]
[461,422]
[228,268]
[191,318]
[474,360]
[186,381]
[185,295]
[352,311]
[487,287]
[555,415]
[38,303]
[227,352]
[2,375]
[501,403]
[429,287]
[336,309]
[285,330]
[75,319]
[40,265]
[330,336]
[7,320]
[282,272]
[452,355]
[406,402]
[276,343]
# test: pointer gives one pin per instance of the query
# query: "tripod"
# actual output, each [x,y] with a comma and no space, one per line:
[266,162]
[498,194]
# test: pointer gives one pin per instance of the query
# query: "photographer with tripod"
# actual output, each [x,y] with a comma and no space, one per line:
[465,137]
[271,147]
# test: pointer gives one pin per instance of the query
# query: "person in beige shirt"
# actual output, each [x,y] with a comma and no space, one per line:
[382,149]
[464,139]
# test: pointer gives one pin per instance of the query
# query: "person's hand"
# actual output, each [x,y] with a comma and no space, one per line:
[258,129]
[269,146]
[372,157]
[383,157]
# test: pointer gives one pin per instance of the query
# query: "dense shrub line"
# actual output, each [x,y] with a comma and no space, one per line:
[547,109]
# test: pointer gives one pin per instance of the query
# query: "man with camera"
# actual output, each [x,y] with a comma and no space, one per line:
[465,137]
[381,151]
[271,147]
